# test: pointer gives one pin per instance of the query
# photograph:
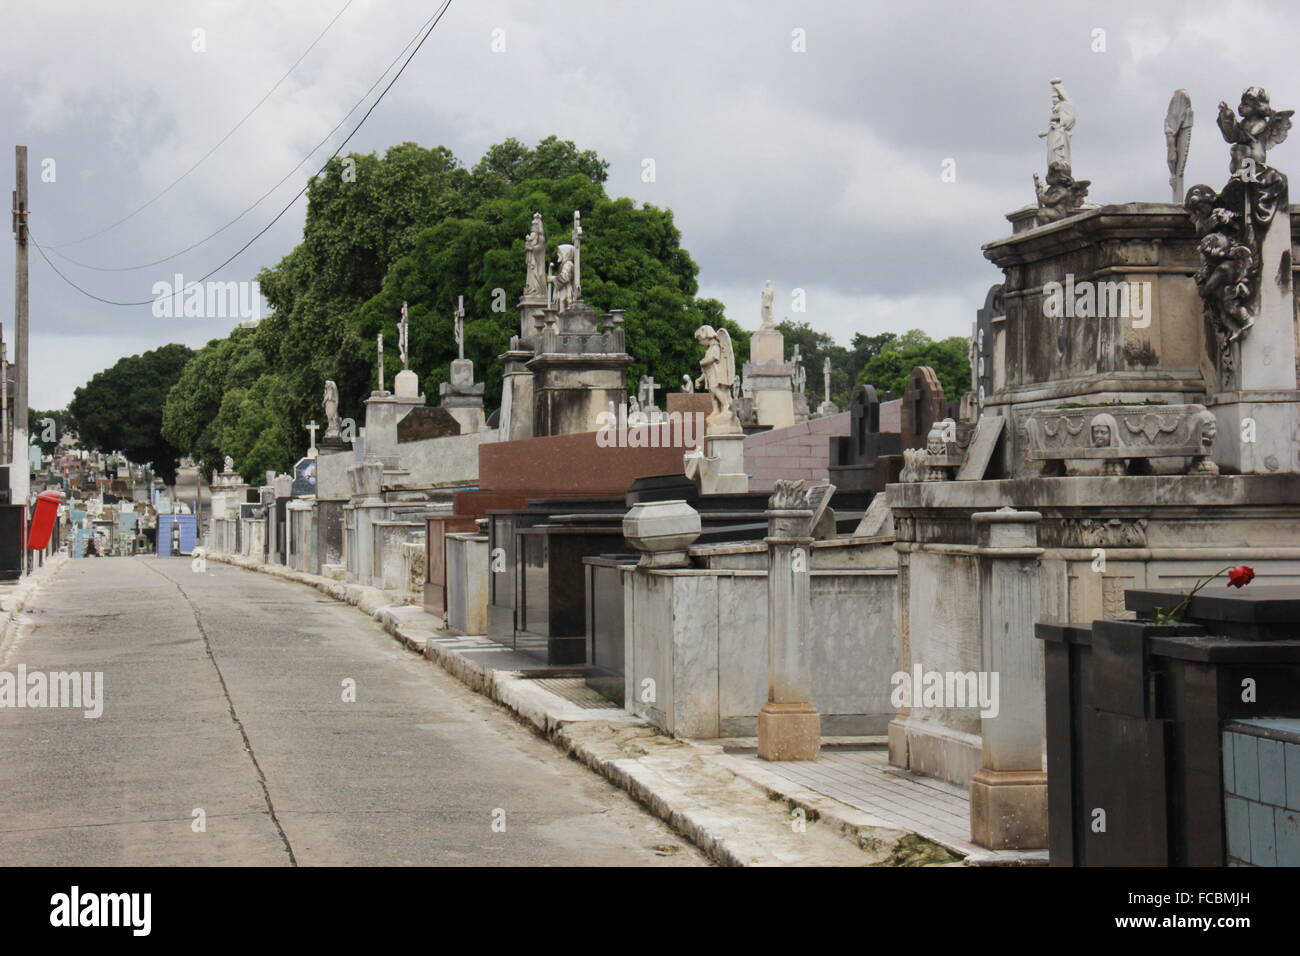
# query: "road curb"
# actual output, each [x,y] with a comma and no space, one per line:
[13,603]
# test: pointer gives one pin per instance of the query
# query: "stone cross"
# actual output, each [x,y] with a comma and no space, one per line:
[403,340]
[648,386]
[311,427]
[459,320]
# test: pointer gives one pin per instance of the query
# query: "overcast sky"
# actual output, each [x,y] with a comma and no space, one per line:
[819,169]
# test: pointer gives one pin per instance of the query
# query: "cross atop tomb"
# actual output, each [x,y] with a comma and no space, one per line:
[404,340]
[311,427]
[458,326]
[577,256]
[648,386]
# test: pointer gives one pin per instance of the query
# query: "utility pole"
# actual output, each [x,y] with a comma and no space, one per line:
[19,478]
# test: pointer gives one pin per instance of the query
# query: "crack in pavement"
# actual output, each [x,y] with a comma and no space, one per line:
[234,716]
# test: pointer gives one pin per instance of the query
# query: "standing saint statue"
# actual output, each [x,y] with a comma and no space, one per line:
[768,321]
[717,375]
[1060,127]
[563,283]
[535,260]
[331,402]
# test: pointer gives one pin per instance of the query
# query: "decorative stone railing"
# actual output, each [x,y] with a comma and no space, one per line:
[1117,434]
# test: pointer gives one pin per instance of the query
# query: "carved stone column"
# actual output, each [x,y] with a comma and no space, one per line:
[789,727]
[1008,808]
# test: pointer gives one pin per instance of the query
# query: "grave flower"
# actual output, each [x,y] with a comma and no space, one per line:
[1238,577]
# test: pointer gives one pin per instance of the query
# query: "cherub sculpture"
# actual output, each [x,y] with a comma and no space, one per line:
[1062,195]
[1260,128]
[1224,282]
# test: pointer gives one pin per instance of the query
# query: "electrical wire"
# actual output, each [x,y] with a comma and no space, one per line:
[260,199]
[233,130]
[39,248]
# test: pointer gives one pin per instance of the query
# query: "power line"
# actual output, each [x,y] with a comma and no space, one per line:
[39,248]
[223,139]
[194,245]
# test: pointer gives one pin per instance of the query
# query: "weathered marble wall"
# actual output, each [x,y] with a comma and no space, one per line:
[699,635]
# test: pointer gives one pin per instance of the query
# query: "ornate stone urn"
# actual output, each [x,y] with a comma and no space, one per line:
[662,531]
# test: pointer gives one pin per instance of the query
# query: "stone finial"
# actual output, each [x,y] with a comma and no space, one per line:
[791,495]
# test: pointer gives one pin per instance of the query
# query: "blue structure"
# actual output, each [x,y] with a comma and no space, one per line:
[187,525]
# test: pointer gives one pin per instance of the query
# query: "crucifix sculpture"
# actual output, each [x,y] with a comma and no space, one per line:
[404,339]
[459,326]
[577,256]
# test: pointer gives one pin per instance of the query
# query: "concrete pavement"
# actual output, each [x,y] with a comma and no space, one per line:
[226,700]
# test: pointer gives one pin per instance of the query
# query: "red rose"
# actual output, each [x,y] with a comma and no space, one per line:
[1240,577]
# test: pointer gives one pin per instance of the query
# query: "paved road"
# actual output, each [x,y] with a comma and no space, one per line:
[224,693]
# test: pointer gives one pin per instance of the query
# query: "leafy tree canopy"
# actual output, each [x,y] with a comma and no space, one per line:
[415,226]
[121,408]
[889,368]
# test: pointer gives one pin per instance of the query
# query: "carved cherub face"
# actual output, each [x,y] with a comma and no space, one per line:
[1254,102]
[1100,436]
[1215,246]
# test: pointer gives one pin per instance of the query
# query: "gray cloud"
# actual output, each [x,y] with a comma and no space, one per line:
[819,170]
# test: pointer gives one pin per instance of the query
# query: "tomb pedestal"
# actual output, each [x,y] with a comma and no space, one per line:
[768,374]
[720,468]
[578,368]
[463,397]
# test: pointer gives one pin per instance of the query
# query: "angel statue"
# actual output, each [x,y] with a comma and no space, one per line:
[717,375]
[1260,128]
[687,385]
[331,402]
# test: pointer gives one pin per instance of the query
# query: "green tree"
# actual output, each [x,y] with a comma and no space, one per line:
[890,367]
[121,408]
[415,226]
[197,416]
